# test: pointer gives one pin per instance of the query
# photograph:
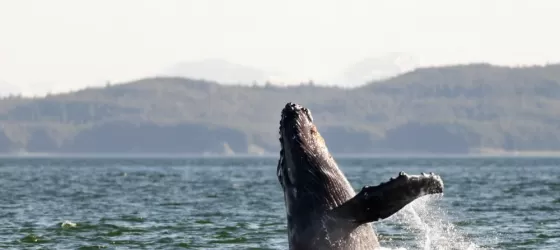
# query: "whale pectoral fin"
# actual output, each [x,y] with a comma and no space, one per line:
[379,202]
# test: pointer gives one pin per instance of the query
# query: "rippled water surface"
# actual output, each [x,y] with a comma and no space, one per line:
[237,203]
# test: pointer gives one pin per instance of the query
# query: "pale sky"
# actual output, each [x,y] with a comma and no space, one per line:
[67,44]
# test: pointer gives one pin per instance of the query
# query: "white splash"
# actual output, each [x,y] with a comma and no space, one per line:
[430,227]
[68,224]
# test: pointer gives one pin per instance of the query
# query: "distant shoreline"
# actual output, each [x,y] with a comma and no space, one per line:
[520,154]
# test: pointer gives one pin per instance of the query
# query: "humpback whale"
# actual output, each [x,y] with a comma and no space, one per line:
[323,211]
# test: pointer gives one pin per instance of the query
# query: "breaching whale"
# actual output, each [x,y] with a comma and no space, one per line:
[323,211]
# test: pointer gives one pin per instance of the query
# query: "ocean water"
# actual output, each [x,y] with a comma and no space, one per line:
[237,203]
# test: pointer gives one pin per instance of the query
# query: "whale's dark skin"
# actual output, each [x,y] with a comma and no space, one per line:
[322,208]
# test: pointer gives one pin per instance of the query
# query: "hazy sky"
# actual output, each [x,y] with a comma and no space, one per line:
[59,44]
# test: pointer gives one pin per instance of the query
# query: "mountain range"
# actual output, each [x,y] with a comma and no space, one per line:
[356,74]
[461,109]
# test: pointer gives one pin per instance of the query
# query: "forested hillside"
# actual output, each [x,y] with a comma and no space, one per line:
[456,109]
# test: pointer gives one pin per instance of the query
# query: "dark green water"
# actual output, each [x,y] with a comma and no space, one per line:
[237,203]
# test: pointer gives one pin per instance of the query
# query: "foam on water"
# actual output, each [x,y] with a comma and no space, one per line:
[430,226]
